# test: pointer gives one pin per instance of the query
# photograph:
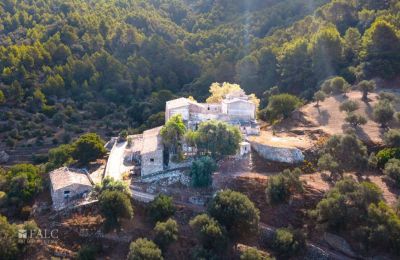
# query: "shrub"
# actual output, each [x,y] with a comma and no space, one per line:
[348,150]
[144,249]
[346,204]
[161,208]
[210,233]
[349,106]
[9,239]
[392,170]
[383,112]
[288,242]
[392,138]
[383,227]
[327,163]
[24,181]
[236,212]
[202,170]
[280,187]
[384,155]
[166,233]
[87,252]
[252,253]
[115,205]
[355,120]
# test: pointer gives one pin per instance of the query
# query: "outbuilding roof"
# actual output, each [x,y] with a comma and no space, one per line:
[64,177]
[180,102]
[152,140]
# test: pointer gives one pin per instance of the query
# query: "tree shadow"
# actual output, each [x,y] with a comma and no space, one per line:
[369,109]
[323,117]
[359,131]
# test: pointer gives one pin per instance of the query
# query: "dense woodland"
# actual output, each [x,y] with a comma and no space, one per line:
[117,62]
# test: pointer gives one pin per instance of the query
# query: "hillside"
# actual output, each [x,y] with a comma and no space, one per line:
[68,62]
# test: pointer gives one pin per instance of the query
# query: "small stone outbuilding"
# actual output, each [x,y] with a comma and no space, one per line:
[68,185]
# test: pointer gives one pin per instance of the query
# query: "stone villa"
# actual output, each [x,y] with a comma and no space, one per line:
[236,108]
[144,153]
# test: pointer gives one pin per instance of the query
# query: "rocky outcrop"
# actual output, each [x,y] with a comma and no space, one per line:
[278,154]
[340,244]
[4,157]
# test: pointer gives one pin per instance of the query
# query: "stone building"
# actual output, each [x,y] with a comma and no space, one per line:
[152,156]
[68,185]
[236,108]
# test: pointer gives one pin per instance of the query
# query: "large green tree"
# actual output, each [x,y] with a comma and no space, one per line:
[202,170]
[87,148]
[172,133]
[217,138]
[115,205]
[236,212]
[381,50]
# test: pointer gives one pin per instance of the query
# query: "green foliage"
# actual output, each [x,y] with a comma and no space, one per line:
[172,133]
[327,163]
[110,184]
[392,171]
[349,106]
[347,151]
[355,120]
[166,233]
[279,107]
[144,249]
[87,148]
[288,242]
[114,205]
[87,252]
[365,87]
[9,239]
[252,253]
[346,204]
[335,85]
[60,156]
[217,138]
[326,49]
[235,212]
[210,233]
[161,208]
[380,50]
[23,182]
[295,66]
[2,97]
[383,112]
[319,96]
[392,138]
[202,170]
[383,227]
[384,155]
[280,187]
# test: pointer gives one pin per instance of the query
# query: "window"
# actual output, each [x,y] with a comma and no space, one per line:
[151,159]
[66,194]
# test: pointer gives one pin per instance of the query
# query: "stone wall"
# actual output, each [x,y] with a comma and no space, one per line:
[278,154]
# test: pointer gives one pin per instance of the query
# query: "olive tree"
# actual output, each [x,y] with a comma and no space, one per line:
[235,211]
[365,87]
[166,233]
[383,113]
[144,249]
